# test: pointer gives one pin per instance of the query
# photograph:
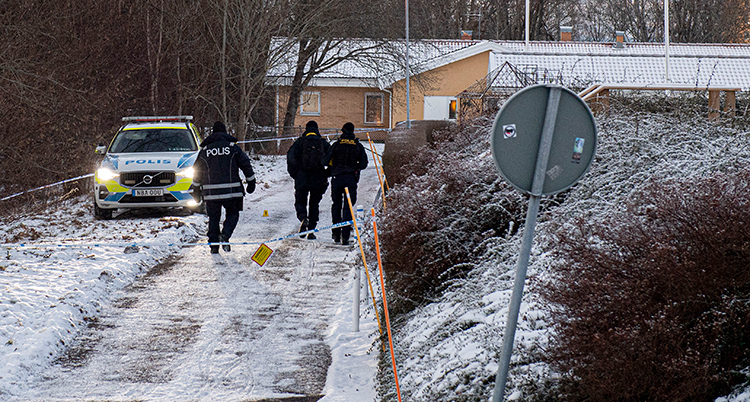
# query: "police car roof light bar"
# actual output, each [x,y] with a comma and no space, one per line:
[157,118]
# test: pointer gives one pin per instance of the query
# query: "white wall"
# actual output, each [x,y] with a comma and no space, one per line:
[437,107]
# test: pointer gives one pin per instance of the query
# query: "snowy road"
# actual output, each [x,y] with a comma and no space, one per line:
[221,328]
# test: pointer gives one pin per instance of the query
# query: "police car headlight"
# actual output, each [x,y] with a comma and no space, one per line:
[189,173]
[106,174]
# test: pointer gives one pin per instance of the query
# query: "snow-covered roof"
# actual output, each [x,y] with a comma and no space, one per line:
[631,49]
[379,66]
[701,65]
[577,63]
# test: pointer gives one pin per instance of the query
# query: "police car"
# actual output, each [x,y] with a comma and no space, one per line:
[148,164]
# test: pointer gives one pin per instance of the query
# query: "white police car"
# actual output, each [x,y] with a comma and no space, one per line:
[148,164]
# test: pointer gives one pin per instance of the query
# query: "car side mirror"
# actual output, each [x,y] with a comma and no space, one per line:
[101,149]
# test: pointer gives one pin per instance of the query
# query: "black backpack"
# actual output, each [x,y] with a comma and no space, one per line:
[347,153]
[312,153]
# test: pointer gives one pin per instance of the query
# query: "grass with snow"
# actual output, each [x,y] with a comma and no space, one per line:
[448,346]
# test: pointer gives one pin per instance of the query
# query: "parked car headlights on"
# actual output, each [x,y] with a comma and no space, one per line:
[189,173]
[147,165]
[106,174]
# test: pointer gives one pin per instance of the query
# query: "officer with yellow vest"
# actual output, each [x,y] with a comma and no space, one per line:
[346,158]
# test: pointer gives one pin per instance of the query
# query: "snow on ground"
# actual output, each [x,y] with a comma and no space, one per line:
[211,327]
[49,293]
[52,298]
[448,349]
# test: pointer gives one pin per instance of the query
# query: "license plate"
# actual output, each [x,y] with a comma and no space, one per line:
[153,192]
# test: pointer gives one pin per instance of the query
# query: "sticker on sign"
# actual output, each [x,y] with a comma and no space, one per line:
[509,131]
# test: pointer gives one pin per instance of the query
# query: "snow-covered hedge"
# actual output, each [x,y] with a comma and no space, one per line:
[448,349]
[651,303]
[451,202]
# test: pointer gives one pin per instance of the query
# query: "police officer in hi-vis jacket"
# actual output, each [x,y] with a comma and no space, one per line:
[217,175]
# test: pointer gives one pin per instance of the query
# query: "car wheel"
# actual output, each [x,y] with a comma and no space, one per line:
[102,213]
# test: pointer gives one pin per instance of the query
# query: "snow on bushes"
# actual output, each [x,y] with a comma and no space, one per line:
[452,201]
[651,303]
[449,349]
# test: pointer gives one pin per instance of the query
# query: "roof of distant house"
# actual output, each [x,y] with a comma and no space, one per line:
[575,63]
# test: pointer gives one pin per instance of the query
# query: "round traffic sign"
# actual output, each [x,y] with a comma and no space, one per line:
[569,144]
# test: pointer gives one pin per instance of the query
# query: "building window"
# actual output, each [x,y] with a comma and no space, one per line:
[452,110]
[309,104]
[374,108]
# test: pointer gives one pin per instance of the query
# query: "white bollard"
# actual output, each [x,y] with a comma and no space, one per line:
[355,302]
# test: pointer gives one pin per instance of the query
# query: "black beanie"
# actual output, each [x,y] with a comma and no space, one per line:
[348,128]
[311,125]
[219,127]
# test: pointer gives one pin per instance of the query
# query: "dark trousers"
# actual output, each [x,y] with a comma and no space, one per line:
[340,211]
[233,206]
[311,213]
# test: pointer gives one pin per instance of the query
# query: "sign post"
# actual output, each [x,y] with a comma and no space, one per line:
[543,142]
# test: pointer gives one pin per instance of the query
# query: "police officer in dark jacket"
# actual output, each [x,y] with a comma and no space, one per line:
[217,175]
[346,159]
[310,175]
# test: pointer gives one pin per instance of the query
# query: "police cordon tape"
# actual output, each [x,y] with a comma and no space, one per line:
[91,174]
[47,185]
[136,244]
[323,134]
[278,139]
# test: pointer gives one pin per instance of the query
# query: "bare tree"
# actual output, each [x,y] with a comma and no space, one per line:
[316,55]
[233,56]
[438,19]
[506,19]
[638,18]
[251,43]
[322,43]
[184,40]
[709,21]
[62,79]
[592,23]
[155,48]
[691,21]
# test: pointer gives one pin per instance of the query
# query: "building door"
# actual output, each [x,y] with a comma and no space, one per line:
[439,108]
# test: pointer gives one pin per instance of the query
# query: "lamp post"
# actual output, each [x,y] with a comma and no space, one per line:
[408,119]
[666,40]
[526,46]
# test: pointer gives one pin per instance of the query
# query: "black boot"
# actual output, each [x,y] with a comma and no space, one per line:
[212,244]
[336,235]
[311,226]
[345,231]
[225,239]
[303,227]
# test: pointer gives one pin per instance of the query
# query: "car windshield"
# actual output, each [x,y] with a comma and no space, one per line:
[154,140]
